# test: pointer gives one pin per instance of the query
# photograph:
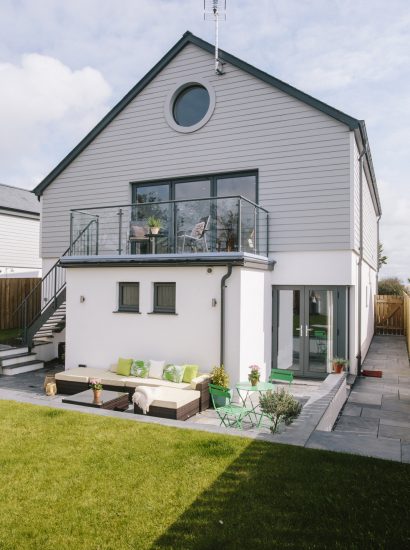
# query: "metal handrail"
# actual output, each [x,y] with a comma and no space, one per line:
[174,201]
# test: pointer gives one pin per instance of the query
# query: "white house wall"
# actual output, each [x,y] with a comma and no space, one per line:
[97,337]
[303,157]
[19,238]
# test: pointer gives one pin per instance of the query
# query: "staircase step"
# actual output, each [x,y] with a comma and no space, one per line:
[39,342]
[28,366]
[12,351]
[17,359]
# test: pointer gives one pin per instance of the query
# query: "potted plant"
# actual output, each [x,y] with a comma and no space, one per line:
[254,375]
[96,386]
[154,225]
[219,377]
[338,364]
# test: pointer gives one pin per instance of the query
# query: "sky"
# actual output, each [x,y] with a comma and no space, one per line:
[63,65]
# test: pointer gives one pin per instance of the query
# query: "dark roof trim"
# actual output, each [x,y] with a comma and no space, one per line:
[368,156]
[167,260]
[189,38]
[30,213]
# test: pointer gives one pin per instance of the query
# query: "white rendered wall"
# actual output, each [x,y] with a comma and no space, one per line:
[253,331]
[333,268]
[97,337]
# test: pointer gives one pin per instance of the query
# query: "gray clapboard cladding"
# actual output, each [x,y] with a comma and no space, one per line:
[302,155]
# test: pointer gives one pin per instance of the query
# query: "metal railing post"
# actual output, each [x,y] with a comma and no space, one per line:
[97,222]
[119,214]
[239,225]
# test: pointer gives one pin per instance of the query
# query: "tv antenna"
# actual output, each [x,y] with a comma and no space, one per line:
[215,10]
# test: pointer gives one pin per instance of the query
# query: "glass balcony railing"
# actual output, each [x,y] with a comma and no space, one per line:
[213,225]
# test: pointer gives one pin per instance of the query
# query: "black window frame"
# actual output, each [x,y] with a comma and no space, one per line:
[163,309]
[125,308]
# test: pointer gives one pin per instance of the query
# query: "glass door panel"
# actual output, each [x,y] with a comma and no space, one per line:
[150,195]
[319,329]
[289,330]
[189,214]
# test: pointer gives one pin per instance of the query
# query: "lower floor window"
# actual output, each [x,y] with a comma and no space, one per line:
[129,294]
[164,297]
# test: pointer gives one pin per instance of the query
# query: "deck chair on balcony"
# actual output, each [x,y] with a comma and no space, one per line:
[197,236]
[138,242]
[230,414]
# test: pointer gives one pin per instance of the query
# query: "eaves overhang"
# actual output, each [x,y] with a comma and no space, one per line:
[242,259]
[189,38]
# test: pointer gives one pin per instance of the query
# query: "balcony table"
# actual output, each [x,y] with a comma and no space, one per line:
[248,390]
[153,241]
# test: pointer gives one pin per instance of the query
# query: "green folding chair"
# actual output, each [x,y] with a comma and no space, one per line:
[231,414]
[281,375]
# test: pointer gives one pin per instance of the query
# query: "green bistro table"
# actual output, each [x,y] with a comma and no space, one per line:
[248,390]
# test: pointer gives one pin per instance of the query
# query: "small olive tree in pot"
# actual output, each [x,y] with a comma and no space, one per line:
[280,407]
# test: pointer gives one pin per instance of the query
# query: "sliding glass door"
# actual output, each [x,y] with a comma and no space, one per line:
[309,328]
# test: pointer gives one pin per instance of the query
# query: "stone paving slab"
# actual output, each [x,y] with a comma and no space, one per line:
[395,432]
[364,445]
[383,414]
[405,452]
[365,398]
[358,425]
[395,404]
[351,409]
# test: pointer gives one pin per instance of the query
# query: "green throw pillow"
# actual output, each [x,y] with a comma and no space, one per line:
[190,372]
[173,373]
[124,366]
[139,369]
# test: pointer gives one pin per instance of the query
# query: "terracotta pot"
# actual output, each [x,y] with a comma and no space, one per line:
[338,367]
[154,230]
[97,396]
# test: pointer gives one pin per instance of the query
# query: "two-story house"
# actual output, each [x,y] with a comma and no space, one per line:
[215,218]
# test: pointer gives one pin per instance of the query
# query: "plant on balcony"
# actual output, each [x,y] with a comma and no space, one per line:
[154,225]
[280,407]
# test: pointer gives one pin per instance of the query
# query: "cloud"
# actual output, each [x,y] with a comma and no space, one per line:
[38,95]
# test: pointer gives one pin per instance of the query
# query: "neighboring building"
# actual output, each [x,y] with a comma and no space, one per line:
[19,233]
[279,277]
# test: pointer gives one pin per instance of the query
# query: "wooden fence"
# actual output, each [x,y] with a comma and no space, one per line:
[12,293]
[389,314]
[407,320]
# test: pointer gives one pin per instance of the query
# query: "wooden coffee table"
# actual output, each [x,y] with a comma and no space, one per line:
[111,400]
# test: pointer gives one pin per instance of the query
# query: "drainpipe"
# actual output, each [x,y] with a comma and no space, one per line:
[360,265]
[223,286]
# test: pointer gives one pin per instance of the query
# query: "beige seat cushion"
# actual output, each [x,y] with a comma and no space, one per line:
[133,382]
[80,374]
[198,379]
[171,398]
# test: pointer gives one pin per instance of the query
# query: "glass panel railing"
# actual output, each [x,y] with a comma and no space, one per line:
[216,224]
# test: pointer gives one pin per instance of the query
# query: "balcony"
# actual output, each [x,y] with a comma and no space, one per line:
[208,226]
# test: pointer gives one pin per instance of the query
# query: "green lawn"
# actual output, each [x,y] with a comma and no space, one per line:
[77,481]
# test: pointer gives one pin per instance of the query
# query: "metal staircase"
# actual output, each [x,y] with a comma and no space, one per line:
[43,311]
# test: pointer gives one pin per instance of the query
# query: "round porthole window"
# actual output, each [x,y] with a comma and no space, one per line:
[189,105]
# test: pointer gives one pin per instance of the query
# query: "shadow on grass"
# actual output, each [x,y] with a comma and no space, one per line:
[277,496]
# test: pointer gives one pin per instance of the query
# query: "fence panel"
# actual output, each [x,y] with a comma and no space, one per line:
[12,293]
[407,320]
[389,314]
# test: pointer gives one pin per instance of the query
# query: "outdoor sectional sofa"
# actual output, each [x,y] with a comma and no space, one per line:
[77,380]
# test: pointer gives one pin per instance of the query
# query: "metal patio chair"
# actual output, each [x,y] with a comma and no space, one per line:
[197,235]
[282,375]
[230,414]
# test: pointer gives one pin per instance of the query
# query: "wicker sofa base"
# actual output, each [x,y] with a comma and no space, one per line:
[68,387]
[183,413]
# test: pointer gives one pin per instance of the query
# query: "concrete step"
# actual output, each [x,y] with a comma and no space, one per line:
[17,359]
[28,366]
[12,351]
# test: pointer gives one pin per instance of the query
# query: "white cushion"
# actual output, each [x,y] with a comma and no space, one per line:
[113,368]
[156,368]
[80,374]
[171,398]
[134,382]
[199,379]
